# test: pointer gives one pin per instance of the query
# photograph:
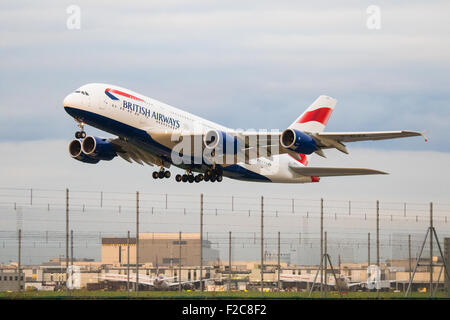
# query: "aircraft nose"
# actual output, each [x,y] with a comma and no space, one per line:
[70,100]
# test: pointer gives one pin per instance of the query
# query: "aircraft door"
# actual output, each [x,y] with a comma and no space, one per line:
[97,103]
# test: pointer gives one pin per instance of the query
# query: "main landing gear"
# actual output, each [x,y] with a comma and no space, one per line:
[161,174]
[210,175]
[80,134]
[189,178]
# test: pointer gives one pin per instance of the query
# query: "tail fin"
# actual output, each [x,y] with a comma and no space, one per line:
[315,118]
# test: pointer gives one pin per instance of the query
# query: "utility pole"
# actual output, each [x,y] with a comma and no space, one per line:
[368,249]
[128,264]
[321,246]
[137,242]
[378,233]
[179,262]
[71,257]
[339,261]
[279,267]
[432,233]
[67,232]
[19,260]
[409,256]
[229,260]
[71,247]
[378,241]
[262,244]
[325,262]
[431,249]
[201,242]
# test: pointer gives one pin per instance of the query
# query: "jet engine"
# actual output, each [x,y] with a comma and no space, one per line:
[98,148]
[221,142]
[77,153]
[298,141]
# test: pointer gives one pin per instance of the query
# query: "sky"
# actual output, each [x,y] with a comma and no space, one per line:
[252,64]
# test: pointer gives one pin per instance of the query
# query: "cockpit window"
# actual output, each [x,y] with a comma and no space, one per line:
[82,92]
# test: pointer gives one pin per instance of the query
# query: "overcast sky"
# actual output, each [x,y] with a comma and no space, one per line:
[252,64]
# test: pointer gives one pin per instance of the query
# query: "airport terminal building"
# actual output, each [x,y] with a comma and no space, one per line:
[159,249]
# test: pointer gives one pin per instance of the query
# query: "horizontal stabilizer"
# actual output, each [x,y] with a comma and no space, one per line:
[332,172]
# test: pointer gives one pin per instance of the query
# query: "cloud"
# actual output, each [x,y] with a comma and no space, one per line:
[258,64]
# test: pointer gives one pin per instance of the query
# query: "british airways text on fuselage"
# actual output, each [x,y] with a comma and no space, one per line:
[155,115]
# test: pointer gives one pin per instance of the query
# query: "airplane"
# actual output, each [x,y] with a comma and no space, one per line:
[159,282]
[157,134]
[343,282]
[373,281]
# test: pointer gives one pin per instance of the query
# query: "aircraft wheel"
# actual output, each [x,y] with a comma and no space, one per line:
[218,171]
[191,178]
[155,175]
[197,179]
[178,177]
[78,135]
[219,178]
[83,134]
[184,178]
[213,179]
[161,174]
[200,176]
[167,174]
[206,178]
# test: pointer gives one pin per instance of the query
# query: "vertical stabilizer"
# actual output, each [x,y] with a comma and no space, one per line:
[315,118]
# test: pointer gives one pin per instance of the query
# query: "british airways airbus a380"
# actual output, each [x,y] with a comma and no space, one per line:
[151,132]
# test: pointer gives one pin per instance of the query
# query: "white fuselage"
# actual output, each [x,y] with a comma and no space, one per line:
[125,113]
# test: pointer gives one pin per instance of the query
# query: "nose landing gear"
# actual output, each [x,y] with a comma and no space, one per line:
[80,134]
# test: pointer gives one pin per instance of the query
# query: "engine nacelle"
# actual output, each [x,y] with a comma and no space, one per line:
[298,141]
[77,153]
[98,148]
[221,142]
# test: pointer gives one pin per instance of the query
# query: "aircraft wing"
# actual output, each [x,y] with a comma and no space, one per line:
[355,284]
[326,140]
[128,151]
[333,172]
[255,144]
[170,284]
[365,136]
[270,144]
